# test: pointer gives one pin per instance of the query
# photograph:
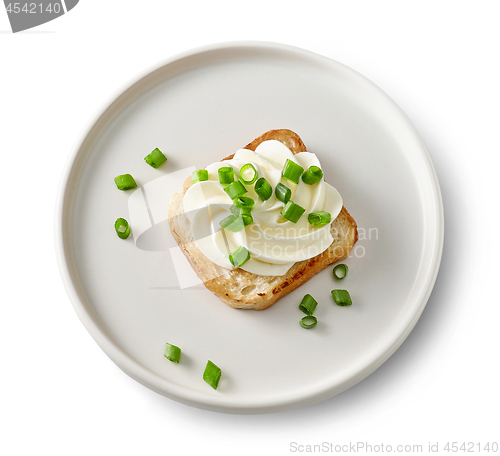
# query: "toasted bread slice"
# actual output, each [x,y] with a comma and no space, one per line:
[241,289]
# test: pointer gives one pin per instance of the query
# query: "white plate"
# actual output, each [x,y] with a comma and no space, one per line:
[198,107]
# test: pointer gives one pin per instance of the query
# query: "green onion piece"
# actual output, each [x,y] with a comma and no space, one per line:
[308,322]
[122,229]
[232,223]
[312,176]
[292,211]
[199,175]
[235,190]
[247,219]
[244,202]
[239,257]
[212,374]
[320,218]
[226,175]
[172,353]
[125,182]
[245,171]
[292,171]
[236,223]
[155,158]
[340,271]
[237,210]
[283,193]
[263,189]
[308,304]
[341,297]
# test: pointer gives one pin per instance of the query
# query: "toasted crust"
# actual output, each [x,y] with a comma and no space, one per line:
[241,289]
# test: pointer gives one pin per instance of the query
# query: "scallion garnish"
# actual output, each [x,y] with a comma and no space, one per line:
[236,223]
[341,297]
[172,353]
[313,175]
[212,374]
[155,158]
[309,321]
[247,219]
[125,182]
[226,175]
[239,257]
[283,193]
[320,218]
[292,211]
[232,223]
[244,202]
[263,189]
[235,189]
[248,174]
[237,210]
[308,304]
[340,271]
[292,171]
[199,175]
[122,228]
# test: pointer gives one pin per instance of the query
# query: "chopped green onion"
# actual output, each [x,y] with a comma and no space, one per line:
[245,170]
[308,322]
[212,374]
[320,218]
[247,219]
[122,229]
[283,193]
[313,175]
[232,223]
[292,171]
[239,257]
[172,353]
[237,210]
[226,175]
[125,182]
[292,211]
[340,271]
[235,190]
[236,223]
[244,202]
[263,189]
[341,297]
[155,158]
[308,304]
[199,175]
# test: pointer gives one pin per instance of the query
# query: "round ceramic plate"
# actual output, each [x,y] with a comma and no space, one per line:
[199,107]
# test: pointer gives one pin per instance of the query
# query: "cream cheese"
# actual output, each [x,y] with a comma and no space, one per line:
[274,243]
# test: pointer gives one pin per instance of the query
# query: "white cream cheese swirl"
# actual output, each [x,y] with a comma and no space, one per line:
[274,243]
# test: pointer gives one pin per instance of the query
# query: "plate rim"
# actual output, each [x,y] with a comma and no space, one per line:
[220,403]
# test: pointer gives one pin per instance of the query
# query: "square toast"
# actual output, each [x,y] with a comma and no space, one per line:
[244,290]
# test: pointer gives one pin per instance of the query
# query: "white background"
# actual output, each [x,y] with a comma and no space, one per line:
[438,60]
